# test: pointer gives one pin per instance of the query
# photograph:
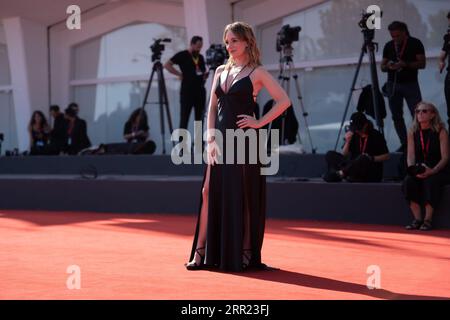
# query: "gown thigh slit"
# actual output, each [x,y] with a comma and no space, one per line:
[236,193]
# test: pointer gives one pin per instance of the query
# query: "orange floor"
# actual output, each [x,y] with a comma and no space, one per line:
[141,256]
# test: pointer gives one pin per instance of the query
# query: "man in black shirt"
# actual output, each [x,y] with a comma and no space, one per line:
[403,56]
[58,135]
[362,156]
[193,75]
[445,53]
[76,133]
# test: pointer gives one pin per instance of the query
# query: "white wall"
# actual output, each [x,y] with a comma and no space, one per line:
[2,34]
[62,40]
[269,10]
[26,44]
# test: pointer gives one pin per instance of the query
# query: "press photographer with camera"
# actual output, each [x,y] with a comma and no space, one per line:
[136,129]
[445,53]
[193,76]
[403,56]
[428,154]
[362,156]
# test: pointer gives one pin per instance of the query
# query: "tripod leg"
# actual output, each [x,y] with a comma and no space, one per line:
[355,77]
[147,91]
[302,107]
[166,103]
[160,103]
[375,88]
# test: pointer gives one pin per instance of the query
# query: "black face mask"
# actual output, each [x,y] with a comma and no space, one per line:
[195,54]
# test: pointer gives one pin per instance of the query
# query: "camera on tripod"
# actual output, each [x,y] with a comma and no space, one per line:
[216,56]
[287,35]
[158,48]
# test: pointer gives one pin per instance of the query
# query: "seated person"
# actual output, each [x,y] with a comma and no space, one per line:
[39,131]
[76,133]
[136,128]
[427,157]
[58,135]
[362,156]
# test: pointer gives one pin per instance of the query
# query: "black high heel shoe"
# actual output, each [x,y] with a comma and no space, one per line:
[193,265]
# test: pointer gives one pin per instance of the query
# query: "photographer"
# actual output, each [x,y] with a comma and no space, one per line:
[362,155]
[445,53]
[427,164]
[403,56]
[136,128]
[193,75]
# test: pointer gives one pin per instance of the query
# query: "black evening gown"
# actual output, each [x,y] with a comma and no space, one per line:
[237,192]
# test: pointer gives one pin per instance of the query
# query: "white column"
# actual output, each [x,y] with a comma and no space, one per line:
[207,19]
[27,51]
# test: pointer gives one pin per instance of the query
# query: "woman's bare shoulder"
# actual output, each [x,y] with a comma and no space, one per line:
[220,69]
[260,72]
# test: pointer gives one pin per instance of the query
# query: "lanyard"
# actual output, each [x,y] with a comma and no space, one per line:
[402,51]
[363,145]
[196,61]
[426,147]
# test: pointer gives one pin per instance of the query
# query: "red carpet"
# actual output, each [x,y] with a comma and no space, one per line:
[141,256]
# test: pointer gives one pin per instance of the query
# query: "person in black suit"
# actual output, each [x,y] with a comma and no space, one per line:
[58,134]
[76,133]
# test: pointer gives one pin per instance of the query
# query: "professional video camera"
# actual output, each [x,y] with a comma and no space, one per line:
[216,56]
[158,48]
[286,36]
[369,33]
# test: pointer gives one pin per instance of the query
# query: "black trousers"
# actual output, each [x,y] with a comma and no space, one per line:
[356,170]
[423,191]
[403,91]
[193,98]
[447,96]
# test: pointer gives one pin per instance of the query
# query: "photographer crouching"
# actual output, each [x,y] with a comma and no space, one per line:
[362,156]
[427,164]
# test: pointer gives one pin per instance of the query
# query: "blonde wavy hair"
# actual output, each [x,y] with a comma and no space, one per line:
[244,32]
[436,123]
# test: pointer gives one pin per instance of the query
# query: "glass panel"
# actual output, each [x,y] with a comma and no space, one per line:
[325,92]
[106,108]
[325,26]
[125,52]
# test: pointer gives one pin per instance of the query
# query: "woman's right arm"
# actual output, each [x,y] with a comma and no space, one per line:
[212,107]
[411,152]
[212,148]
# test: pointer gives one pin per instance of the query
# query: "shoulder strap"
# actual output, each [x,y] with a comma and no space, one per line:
[252,71]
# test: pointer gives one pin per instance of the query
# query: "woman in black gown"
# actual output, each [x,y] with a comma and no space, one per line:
[231,219]
[427,147]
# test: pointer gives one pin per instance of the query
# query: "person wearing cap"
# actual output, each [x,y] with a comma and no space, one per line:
[362,156]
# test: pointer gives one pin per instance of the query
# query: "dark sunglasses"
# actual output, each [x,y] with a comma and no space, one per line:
[424,111]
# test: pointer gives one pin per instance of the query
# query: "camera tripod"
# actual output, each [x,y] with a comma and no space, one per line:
[368,47]
[286,72]
[163,101]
